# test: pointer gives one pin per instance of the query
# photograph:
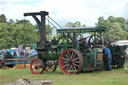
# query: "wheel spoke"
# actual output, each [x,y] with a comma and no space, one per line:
[65,62]
[68,67]
[38,66]
[67,56]
[50,69]
[72,55]
[65,65]
[64,59]
[71,67]
[51,66]
[77,62]
[76,59]
[63,39]
[76,65]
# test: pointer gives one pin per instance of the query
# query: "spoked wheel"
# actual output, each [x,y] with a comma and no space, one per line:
[119,60]
[94,40]
[65,39]
[37,66]
[114,66]
[71,61]
[118,57]
[51,66]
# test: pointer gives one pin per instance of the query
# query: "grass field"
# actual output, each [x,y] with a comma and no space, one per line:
[114,77]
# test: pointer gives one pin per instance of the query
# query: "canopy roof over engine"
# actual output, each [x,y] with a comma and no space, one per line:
[82,29]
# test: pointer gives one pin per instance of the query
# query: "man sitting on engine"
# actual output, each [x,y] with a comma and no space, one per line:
[54,41]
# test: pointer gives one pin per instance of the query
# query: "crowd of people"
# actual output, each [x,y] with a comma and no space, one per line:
[15,53]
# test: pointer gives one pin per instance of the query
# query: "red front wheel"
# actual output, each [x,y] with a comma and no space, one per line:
[37,66]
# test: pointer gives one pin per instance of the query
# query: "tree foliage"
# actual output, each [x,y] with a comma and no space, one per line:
[3,18]
[13,34]
[117,28]
[49,32]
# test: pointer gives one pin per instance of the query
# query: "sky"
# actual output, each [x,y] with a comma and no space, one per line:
[62,11]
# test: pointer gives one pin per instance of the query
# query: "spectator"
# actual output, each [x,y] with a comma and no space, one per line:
[4,53]
[22,53]
[14,53]
[8,55]
[26,53]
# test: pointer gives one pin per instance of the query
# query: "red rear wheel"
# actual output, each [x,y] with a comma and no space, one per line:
[71,61]
[37,66]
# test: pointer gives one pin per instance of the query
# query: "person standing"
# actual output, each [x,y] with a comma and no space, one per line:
[108,58]
[8,55]
[22,53]
[14,53]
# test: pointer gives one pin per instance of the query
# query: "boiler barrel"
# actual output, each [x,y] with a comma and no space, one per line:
[48,56]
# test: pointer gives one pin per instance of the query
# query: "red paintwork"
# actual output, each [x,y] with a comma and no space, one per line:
[60,62]
[40,65]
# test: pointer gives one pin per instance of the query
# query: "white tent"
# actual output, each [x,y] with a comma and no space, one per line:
[121,42]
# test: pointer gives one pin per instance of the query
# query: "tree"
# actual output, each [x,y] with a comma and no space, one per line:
[49,32]
[6,35]
[27,32]
[116,28]
[3,18]
[3,35]
[24,21]
[13,34]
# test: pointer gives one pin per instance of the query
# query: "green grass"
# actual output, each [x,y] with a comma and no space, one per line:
[115,77]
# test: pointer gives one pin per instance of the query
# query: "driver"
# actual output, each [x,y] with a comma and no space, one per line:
[81,43]
[54,41]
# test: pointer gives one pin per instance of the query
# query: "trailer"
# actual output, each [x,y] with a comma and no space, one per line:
[11,62]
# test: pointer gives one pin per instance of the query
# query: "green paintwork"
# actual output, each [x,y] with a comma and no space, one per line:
[118,50]
[34,46]
[53,53]
[92,61]
[90,57]
[89,54]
